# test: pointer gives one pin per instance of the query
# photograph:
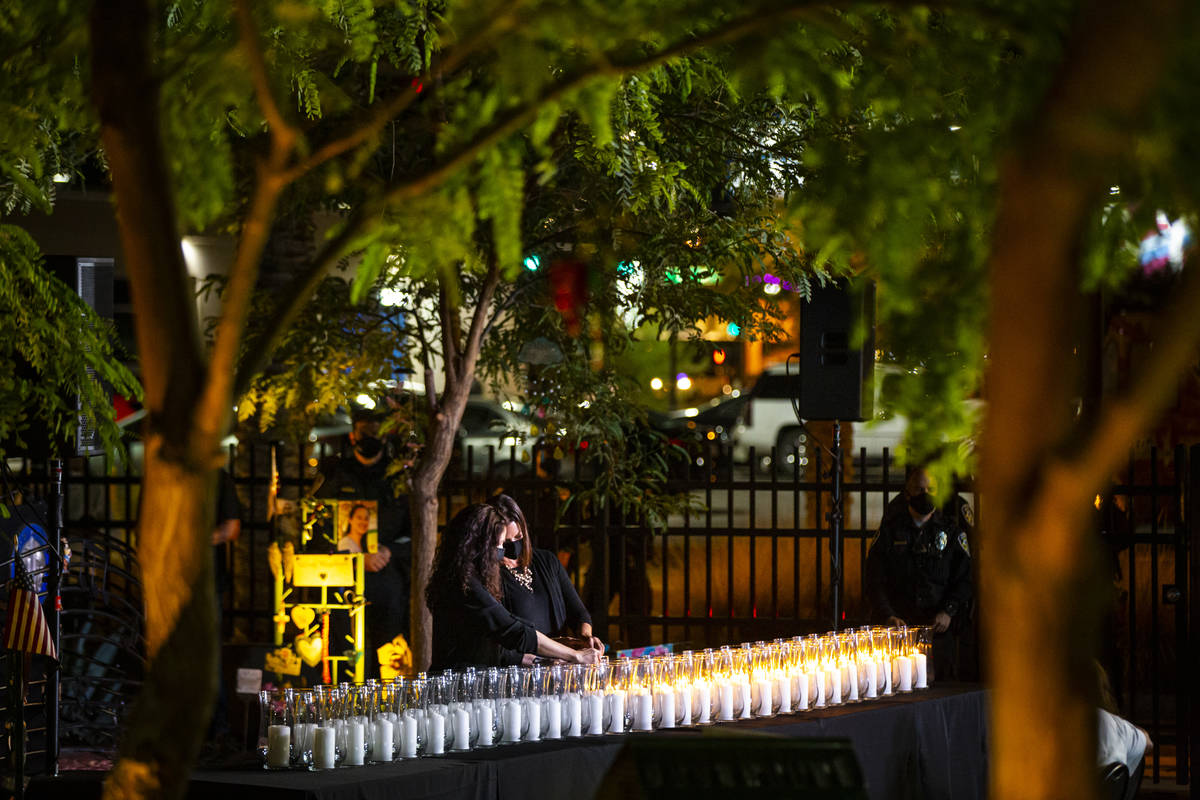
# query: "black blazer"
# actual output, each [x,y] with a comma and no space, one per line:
[471,629]
[552,586]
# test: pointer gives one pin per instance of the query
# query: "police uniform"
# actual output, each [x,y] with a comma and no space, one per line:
[916,572]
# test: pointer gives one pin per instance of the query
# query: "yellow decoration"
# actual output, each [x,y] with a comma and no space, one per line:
[282,661]
[558,454]
[303,616]
[289,559]
[275,559]
[309,649]
[395,658]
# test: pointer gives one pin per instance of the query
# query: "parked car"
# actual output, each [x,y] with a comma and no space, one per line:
[494,441]
[705,431]
[491,440]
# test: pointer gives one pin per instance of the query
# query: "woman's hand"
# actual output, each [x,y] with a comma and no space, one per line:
[585,631]
[586,656]
[377,560]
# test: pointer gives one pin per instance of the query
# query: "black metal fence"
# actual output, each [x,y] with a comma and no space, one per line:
[750,560]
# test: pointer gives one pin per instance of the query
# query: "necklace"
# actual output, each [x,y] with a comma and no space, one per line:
[523,576]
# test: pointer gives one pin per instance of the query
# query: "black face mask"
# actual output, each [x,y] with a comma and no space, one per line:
[513,548]
[368,447]
[921,503]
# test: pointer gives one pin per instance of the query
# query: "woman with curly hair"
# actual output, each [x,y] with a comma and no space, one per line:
[470,625]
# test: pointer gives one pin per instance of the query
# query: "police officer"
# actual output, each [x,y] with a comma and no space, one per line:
[362,475]
[919,570]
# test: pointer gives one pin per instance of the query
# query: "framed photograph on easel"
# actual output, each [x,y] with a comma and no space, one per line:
[357,526]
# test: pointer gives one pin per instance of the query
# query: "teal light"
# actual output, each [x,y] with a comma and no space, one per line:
[732,329]
[532,262]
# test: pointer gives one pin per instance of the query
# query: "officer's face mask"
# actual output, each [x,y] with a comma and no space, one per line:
[513,548]
[921,504]
[368,448]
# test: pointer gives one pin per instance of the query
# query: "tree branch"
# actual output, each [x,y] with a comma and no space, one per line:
[603,66]
[297,294]
[450,334]
[479,324]
[427,367]
[362,132]
[295,297]
[283,135]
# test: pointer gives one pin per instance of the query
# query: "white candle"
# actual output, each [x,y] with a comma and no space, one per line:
[747,695]
[616,711]
[666,707]
[643,711]
[766,697]
[821,679]
[279,746]
[533,713]
[512,721]
[408,736]
[783,685]
[574,704]
[683,700]
[462,729]
[554,713]
[324,748]
[868,667]
[595,702]
[382,744]
[835,685]
[802,690]
[704,703]
[904,673]
[850,671]
[725,697]
[436,726]
[483,715]
[883,675]
[920,681]
[355,739]
[392,718]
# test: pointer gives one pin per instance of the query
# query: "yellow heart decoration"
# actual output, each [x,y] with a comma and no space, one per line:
[303,616]
[309,650]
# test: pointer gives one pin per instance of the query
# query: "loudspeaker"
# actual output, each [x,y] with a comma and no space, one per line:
[836,378]
[92,280]
[723,766]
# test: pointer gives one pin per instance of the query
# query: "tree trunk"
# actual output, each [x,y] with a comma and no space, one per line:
[1041,580]
[163,734]
[434,460]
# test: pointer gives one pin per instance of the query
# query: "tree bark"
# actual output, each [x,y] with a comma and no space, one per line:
[162,736]
[461,358]
[1041,577]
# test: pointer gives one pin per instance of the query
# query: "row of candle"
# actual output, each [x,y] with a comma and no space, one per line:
[350,725]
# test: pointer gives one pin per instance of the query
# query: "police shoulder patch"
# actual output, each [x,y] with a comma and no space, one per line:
[962,542]
[968,515]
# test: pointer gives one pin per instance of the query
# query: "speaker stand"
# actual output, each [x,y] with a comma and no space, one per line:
[835,528]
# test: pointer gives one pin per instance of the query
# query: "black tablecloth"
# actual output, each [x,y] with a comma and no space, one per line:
[928,744]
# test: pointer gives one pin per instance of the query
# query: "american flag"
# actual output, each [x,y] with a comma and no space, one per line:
[25,629]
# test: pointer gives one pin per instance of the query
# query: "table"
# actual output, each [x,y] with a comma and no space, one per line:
[929,744]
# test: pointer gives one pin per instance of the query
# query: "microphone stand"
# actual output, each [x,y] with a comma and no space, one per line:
[835,528]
